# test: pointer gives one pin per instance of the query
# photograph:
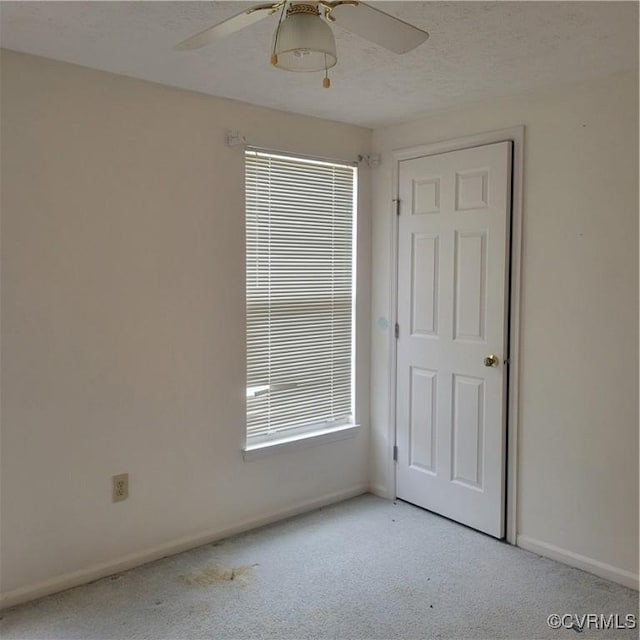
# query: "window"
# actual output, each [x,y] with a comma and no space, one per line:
[300,285]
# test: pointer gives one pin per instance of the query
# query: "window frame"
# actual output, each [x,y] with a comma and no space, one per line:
[296,437]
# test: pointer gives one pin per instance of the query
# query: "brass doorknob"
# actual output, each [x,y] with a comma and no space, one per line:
[491,360]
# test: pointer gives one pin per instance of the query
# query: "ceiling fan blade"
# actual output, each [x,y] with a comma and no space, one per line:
[226,27]
[379,27]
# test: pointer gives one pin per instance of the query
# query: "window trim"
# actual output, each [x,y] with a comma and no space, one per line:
[300,440]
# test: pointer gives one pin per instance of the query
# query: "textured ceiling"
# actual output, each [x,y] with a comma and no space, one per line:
[477,50]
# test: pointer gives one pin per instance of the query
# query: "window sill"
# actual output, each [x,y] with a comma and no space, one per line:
[300,441]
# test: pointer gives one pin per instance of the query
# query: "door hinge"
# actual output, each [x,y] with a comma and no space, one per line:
[395,452]
[396,201]
[396,331]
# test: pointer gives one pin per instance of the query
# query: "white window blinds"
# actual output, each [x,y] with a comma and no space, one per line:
[300,292]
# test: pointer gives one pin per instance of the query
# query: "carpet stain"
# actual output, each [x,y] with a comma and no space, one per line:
[210,576]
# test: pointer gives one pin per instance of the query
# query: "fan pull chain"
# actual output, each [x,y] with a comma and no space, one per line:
[326,83]
[274,56]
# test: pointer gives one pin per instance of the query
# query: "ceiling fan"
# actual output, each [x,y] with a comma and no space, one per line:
[303,40]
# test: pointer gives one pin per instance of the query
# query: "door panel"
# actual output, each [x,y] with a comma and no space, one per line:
[422,439]
[468,430]
[424,284]
[470,285]
[453,252]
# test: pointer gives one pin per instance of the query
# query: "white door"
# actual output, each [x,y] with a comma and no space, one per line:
[453,248]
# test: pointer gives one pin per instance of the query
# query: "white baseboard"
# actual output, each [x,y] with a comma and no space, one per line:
[607,571]
[97,571]
[380,491]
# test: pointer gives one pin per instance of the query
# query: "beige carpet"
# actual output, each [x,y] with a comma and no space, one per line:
[365,568]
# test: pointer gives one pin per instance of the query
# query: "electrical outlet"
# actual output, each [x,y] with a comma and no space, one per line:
[120,486]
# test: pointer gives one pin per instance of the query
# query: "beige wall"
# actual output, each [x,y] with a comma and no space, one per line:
[123,323]
[122,320]
[578,436]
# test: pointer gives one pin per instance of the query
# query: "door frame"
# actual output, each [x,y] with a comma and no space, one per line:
[516,136]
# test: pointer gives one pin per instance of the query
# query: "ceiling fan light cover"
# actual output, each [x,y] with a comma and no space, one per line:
[305,42]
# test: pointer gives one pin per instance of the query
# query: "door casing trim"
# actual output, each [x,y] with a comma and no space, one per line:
[516,136]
